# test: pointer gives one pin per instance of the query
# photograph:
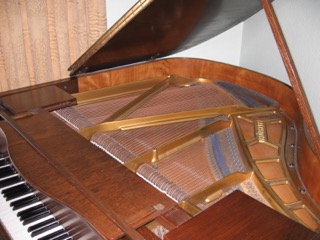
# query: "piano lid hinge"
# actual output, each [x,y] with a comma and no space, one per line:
[154,57]
[82,70]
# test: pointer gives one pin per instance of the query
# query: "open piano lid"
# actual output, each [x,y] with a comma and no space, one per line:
[157,28]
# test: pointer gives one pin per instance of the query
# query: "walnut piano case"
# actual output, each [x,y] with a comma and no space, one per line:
[140,146]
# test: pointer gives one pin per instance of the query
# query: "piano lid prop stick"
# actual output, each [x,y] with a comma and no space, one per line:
[293,75]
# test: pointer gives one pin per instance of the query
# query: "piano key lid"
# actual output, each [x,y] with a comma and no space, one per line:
[157,28]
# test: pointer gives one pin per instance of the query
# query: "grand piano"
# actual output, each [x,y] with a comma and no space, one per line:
[135,145]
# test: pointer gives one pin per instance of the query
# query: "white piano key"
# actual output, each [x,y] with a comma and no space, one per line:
[8,216]
[11,222]
[49,232]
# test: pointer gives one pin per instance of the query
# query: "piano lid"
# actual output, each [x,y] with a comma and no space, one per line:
[158,28]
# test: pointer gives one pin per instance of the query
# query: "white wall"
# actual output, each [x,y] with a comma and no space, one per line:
[300,22]
[225,47]
[259,50]
[116,8]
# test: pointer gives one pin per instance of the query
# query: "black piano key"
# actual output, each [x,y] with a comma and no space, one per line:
[26,211]
[14,189]
[36,217]
[53,235]
[45,229]
[9,181]
[41,224]
[4,161]
[17,192]
[7,168]
[6,171]
[32,211]
[24,202]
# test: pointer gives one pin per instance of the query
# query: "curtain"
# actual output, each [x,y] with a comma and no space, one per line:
[40,39]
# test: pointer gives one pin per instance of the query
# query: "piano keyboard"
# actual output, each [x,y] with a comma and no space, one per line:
[23,211]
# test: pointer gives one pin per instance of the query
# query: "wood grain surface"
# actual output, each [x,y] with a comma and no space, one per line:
[78,175]
[238,216]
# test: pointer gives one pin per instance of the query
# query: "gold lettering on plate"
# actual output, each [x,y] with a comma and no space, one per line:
[261,132]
